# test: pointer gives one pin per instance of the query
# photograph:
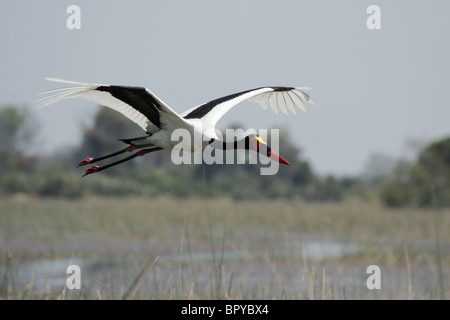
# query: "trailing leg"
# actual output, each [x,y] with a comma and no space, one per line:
[134,155]
[92,160]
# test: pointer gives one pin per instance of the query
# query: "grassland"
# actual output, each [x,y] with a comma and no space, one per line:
[196,248]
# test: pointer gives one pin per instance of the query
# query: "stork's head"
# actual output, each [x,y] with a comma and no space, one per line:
[260,146]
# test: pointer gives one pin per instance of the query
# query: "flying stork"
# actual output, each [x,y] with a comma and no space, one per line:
[158,120]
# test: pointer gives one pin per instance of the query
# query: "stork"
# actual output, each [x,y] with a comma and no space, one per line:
[159,121]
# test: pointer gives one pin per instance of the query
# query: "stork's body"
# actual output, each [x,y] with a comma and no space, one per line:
[162,137]
[159,121]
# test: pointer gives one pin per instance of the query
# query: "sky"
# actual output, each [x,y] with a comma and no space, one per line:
[376,90]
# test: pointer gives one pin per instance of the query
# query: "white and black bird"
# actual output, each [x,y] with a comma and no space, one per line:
[158,120]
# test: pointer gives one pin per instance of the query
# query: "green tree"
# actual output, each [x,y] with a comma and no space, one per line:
[424,183]
[11,122]
[432,172]
[15,135]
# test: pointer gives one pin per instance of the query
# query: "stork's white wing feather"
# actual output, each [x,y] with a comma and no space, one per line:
[286,99]
[139,105]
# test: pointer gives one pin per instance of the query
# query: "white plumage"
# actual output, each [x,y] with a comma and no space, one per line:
[158,120]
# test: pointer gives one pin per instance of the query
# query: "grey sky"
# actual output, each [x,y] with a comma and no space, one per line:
[374,89]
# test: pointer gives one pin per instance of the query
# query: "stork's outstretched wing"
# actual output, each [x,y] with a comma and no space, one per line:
[141,106]
[138,104]
[286,99]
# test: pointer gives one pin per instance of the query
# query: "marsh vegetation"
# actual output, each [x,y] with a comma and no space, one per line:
[170,248]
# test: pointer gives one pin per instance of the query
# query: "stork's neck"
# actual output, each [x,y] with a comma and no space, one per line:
[232,145]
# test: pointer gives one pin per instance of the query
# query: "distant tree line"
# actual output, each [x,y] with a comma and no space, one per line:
[423,183]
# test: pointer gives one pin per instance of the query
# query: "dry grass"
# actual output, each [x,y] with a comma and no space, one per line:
[217,248]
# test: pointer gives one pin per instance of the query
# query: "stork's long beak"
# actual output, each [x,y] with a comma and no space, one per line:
[275,156]
[262,147]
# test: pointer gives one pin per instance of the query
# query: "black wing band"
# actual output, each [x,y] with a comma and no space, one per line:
[207,107]
[139,99]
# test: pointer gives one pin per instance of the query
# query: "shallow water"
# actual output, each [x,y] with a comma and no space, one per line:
[300,271]
[240,274]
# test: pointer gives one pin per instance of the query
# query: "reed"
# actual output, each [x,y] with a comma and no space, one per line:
[205,248]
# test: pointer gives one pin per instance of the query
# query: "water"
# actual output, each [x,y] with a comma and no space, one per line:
[293,270]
